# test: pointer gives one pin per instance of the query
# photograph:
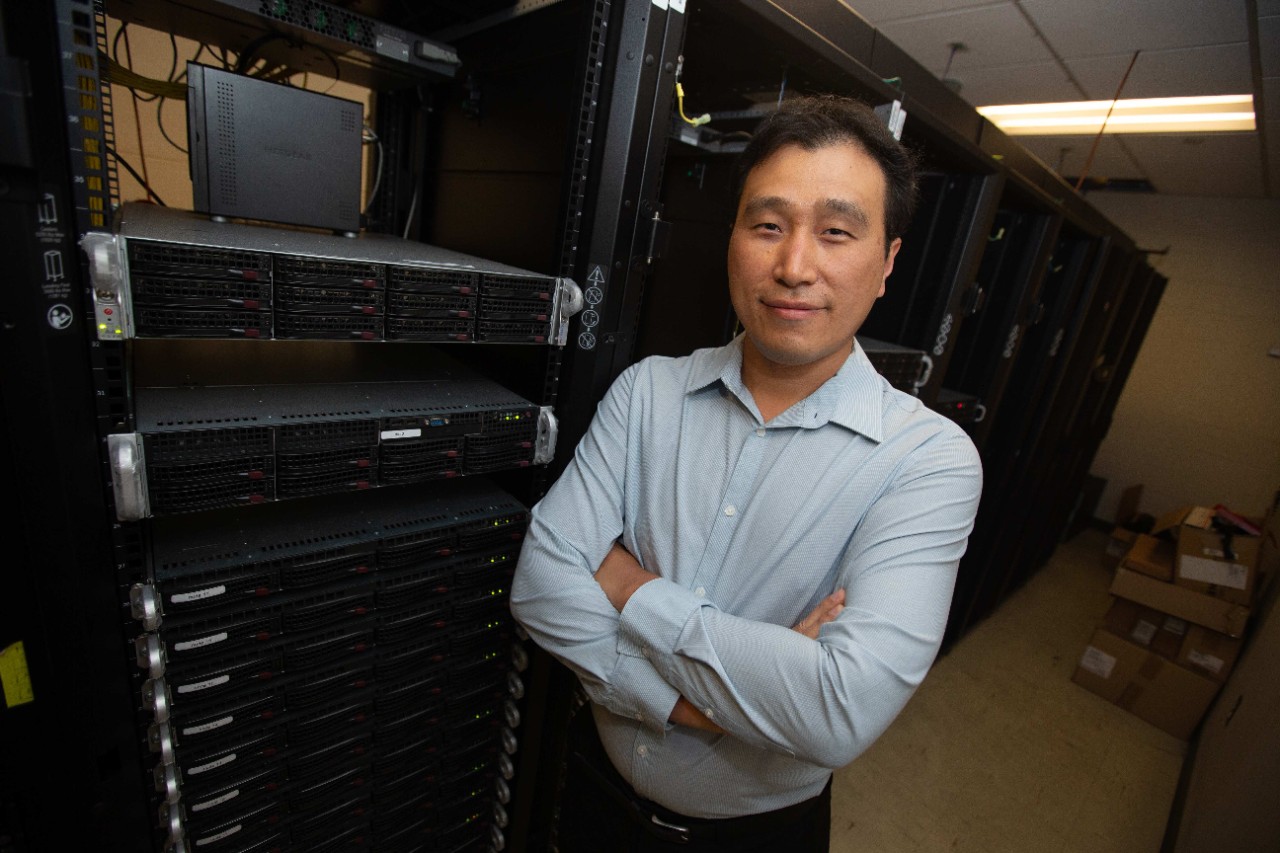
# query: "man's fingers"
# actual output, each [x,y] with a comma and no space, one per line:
[826,610]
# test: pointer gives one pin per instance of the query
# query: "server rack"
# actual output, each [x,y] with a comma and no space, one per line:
[1046,494]
[1009,280]
[353,612]
[1014,448]
[934,289]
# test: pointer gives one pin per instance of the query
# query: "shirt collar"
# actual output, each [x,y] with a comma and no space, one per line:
[853,398]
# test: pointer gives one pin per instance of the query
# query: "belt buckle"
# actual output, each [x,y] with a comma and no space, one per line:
[670,831]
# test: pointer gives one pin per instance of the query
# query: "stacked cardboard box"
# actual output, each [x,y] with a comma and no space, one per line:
[1181,603]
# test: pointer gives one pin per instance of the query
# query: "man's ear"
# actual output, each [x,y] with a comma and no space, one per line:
[888,262]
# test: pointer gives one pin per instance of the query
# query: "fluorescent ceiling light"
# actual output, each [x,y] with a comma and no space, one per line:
[1145,115]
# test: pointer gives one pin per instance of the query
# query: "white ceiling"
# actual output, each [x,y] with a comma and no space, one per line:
[1025,51]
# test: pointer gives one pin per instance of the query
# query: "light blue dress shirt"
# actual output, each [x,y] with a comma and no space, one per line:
[749,525]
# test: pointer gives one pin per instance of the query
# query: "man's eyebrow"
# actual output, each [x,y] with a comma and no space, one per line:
[853,210]
[766,202]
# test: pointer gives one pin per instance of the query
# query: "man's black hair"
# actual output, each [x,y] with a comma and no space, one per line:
[816,121]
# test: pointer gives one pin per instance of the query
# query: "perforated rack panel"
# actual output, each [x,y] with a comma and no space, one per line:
[906,368]
[230,446]
[309,659]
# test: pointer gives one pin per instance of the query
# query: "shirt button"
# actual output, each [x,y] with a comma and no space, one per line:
[760,432]
[640,717]
[708,713]
[701,592]
[730,510]
[642,750]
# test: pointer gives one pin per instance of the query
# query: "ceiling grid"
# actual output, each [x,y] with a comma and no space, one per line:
[1031,51]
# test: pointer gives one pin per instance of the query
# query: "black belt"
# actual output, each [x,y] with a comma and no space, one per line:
[659,821]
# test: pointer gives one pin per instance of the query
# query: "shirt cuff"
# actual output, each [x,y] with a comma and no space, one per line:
[653,619]
[648,698]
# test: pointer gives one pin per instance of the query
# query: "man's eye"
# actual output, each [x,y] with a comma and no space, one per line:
[768,226]
[837,232]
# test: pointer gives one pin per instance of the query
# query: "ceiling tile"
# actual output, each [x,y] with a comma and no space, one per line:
[1271,98]
[1018,84]
[1269,45]
[1214,70]
[880,11]
[1067,155]
[994,35]
[1220,164]
[1098,27]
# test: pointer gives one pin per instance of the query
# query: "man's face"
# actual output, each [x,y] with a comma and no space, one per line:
[807,254]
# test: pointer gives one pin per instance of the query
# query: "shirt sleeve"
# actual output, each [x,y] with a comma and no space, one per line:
[555,595]
[825,701]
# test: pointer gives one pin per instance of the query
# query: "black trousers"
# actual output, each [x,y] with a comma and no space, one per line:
[600,813]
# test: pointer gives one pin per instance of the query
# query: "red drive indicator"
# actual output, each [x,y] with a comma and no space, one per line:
[107,311]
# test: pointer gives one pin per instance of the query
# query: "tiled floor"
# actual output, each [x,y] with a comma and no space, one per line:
[999,752]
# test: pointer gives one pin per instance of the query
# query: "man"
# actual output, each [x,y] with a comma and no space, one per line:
[749,562]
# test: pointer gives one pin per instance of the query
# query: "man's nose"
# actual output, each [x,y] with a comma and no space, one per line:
[794,263]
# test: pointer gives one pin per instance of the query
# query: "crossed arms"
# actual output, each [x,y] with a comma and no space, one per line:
[641,641]
[621,574]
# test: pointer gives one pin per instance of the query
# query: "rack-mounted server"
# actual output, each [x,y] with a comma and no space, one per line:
[223,446]
[165,273]
[306,661]
[907,369]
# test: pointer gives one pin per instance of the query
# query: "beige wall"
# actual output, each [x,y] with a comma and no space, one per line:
[1199,419]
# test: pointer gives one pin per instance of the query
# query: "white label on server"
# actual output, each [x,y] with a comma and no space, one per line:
[389,434]
[203,641]
[1143,632]
[1098,662]
[183,597]
[212,765]
[1174,625]
[216,801]
[1209,662]
[204,685]
[226,833]
[208,727]
[1233,575]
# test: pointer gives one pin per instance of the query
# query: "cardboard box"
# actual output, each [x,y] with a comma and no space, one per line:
[1214,613]
[1205,565]
[1119,544]
[1156,690]
[1191,516]
[1195,647]
[1151,556]
[1200,560]
[1209,653]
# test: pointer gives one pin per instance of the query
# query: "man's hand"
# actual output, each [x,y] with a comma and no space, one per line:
[620,575]
[684,714]
[827,610]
